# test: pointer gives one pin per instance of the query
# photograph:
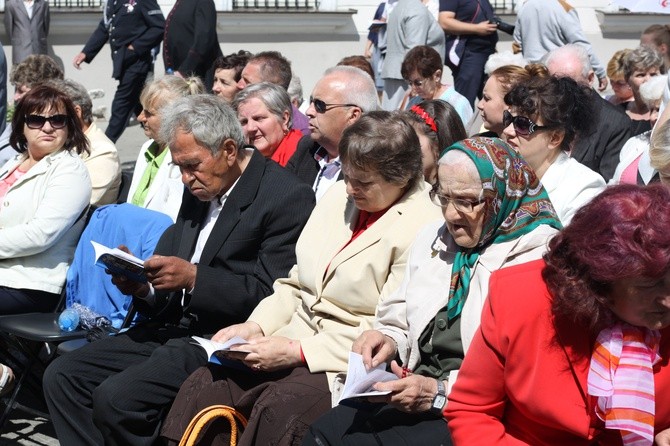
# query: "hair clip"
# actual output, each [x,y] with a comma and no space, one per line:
[421,113]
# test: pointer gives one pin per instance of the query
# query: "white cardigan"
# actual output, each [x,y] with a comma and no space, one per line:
[39,225]
[166,189]
[425,288]
[570,185]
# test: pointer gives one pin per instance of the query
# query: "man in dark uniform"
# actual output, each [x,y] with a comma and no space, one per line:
[133,28]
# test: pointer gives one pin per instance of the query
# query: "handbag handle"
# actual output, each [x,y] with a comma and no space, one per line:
[208,414]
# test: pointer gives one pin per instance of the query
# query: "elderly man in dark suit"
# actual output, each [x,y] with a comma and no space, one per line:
[133,29]
[599,150]
[234,236]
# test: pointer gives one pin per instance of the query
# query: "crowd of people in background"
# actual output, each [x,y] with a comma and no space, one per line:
[501,245]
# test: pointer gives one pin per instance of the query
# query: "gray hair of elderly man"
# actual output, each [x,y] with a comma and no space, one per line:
[207,117]
[360,89]
[77,94]
[571,50]
[273,96]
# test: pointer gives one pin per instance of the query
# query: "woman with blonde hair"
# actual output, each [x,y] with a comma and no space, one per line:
[622,91]
[156,182]
[501,80]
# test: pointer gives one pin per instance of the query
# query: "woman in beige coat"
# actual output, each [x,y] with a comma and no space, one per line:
[350,256]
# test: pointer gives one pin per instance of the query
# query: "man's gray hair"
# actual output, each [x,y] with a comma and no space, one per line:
[652,91]
[77,94]
[573,50]
[207,117]
[273,96]
[360,89]
[295,89]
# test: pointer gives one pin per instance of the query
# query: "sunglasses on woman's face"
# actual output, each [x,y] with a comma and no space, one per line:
[322,107]
[37,121]
[522,126]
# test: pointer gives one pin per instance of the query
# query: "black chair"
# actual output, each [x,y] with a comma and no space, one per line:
[38,337]
[32,340]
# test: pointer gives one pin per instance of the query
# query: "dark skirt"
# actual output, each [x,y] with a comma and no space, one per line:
[280,406]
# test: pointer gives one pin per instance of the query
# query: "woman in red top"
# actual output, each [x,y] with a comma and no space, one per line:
[264,110]
[574,350]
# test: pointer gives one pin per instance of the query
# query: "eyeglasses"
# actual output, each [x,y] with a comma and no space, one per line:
[522,126]
[460,204]
[322,107]
[37,121]
[416,82]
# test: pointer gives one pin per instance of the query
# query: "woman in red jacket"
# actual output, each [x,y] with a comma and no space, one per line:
[574,350]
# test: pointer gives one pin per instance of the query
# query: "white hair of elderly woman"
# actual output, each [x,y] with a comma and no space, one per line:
[503,58]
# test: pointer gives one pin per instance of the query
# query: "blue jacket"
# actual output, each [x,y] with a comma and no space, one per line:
[137,228]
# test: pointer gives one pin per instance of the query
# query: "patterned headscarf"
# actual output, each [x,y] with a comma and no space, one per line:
[515,204]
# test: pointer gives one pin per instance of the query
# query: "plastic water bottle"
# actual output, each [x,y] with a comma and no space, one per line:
[169,71]
[68,320]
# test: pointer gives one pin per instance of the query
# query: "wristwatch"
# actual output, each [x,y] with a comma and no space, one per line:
[440,399]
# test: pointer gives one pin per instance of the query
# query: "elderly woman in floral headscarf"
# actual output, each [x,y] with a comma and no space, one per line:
[496,214]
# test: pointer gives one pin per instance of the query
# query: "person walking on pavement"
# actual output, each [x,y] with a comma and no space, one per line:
[133,29]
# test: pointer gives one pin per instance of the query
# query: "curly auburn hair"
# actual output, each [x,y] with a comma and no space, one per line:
[560,103]
[621,234]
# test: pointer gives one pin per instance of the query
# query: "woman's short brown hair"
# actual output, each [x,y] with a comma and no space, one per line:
[383,142]
[422,59]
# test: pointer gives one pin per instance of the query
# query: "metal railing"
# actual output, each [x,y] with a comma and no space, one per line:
[238,5]
[503,5]
[292,5]
[76,4]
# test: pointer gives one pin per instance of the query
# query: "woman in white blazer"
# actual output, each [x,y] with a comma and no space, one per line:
[156,182]
[44,195]
[545,116]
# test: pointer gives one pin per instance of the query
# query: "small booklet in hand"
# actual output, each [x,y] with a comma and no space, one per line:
[119,262]
[213,347]
[359,381]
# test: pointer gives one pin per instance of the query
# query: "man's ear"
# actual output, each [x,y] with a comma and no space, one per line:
[354,114]
[591,78]
[228,151]
[77,110]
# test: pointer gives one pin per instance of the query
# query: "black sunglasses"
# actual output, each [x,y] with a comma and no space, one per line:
[37,121]
[522,126]
[322,107]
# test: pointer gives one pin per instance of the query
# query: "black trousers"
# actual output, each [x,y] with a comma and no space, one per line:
[469,76]
[117,390]
[127,97]
[15,301]
[377,425]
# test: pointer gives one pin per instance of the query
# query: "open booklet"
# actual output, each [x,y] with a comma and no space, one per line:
[212,347]
[119,262]
[359,381]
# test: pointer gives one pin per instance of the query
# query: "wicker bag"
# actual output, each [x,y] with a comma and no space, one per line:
[208,414]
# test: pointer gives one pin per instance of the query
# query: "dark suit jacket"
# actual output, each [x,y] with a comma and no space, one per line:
[137,22]
[599,150]
[27,35]
[252,244]
[190,44]
[302,162]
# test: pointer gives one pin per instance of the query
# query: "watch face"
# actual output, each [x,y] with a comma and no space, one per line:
[439,401]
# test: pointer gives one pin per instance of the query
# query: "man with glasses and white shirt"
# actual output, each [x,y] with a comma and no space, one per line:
[338,100]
